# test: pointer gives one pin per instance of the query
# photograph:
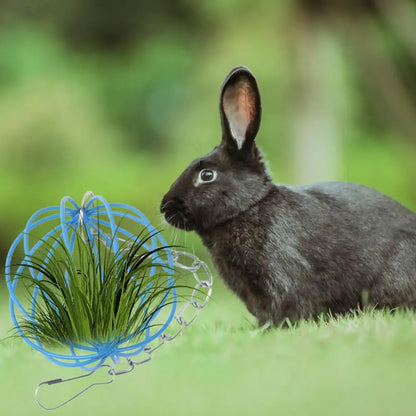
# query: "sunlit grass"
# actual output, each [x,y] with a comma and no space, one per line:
[363,364]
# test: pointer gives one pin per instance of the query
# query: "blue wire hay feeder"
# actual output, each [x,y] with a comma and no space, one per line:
[98,222]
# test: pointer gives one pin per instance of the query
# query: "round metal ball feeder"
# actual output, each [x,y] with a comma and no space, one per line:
[44,287]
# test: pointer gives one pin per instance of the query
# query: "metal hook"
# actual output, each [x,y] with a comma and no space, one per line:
[110,372]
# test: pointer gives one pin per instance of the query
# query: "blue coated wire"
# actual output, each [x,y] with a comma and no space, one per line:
[96,215]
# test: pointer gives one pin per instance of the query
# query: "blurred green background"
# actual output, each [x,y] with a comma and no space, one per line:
[118,97]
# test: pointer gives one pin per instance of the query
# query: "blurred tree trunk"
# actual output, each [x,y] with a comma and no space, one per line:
[316,120]
[381,39]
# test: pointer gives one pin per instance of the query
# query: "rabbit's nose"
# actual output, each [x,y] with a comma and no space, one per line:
[165,202]
[166,205]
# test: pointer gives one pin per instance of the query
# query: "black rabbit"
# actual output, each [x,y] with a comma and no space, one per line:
[291,251]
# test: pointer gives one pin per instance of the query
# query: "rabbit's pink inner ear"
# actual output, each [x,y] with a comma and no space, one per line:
[239,104]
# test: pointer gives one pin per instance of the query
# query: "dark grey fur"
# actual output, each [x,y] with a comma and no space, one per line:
[292,251]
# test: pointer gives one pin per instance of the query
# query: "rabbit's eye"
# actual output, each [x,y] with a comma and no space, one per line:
[206,176]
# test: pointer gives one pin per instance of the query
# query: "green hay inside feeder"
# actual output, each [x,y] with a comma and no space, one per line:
[94,295]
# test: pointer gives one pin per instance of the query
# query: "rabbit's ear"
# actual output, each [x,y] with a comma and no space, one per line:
[240,109]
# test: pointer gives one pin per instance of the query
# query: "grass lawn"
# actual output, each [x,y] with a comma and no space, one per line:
[223,365]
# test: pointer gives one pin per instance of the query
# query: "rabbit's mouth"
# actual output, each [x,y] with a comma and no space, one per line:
[177,214]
